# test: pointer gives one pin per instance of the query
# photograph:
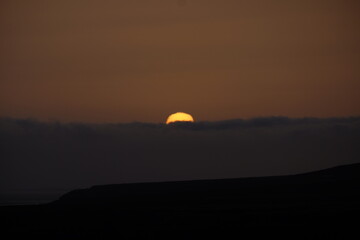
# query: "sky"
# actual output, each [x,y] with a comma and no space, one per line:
[125,61]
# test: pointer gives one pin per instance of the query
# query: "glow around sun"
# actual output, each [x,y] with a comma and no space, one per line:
[179,117]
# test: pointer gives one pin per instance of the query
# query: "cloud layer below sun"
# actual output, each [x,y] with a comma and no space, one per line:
[39,155]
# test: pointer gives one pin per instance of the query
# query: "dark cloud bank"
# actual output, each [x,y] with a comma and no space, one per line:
[38,155]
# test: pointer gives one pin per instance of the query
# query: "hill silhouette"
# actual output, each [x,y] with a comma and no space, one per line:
[317,205]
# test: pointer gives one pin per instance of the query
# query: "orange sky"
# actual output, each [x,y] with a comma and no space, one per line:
[123,61]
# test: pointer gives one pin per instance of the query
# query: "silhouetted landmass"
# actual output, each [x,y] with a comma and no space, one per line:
[318,205]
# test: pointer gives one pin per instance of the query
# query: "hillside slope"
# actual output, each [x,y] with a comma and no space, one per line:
[317,205]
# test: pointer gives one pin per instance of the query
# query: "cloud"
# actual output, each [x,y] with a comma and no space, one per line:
[45,155]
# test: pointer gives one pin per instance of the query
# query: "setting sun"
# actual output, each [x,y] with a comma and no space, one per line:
[179,117]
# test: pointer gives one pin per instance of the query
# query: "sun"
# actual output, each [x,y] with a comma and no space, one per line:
[179,117]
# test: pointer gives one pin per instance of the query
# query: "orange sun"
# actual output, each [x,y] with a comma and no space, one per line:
[179,117]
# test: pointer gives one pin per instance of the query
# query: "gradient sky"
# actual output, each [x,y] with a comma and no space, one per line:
[123,61]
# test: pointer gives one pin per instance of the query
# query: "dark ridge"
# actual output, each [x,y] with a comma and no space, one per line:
[294,184]
[318,205]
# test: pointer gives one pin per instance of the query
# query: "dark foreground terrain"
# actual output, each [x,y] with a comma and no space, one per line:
[318,205]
